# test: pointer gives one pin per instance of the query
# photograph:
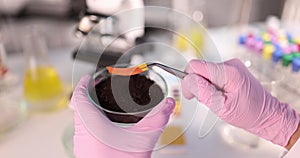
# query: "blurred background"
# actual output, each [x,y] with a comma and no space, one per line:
[59,17]
[47,45]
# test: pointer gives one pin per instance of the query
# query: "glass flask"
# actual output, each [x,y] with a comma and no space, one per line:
[12,112]
[67,140]
[126,118]
[43,89]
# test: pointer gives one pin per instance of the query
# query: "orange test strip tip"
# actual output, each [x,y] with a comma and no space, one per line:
[127,71]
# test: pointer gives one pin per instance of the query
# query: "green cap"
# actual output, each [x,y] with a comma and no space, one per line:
[287,59]
[296,55]
[268,42]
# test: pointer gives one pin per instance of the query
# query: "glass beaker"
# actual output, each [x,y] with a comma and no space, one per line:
[126,116]
[43,90]
[7,79]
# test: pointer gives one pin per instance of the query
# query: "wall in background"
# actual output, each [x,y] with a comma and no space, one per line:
[224,12]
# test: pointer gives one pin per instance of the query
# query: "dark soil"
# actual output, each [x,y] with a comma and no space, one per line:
[128,94]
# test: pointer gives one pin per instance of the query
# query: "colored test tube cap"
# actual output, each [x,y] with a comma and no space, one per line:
[274,39]
[258,46]
[282,38]
[287,59]
[296,65]
[286,50]
[289,36]
[266,37]
[242,39]
[277,47]
[296,55]
[296,40]
[250,35]
[250,42]
[276,56]
[293,48]
[268,51]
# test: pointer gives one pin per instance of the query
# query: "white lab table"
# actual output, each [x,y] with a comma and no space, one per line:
[40,135]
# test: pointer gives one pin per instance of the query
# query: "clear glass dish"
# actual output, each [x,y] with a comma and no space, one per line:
[67,140]
[123,118]
[12,111]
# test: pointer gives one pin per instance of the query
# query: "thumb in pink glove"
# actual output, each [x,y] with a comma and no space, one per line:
[96,136]
[234,94]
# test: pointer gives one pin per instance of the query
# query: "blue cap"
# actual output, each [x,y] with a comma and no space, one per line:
[277,47]
[289,36]
[276,56]
[242,39]
[258,39]
[296,65]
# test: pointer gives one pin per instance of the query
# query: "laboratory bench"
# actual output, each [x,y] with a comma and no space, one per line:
[44,135]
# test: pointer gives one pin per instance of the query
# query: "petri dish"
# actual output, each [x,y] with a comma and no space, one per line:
[67,140]
[12,113]
[12,109]
[238,137]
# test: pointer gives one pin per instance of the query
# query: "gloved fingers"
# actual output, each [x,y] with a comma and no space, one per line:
[86,115]
[214,73]
[186,86]
[89,121]
[80,90]
[238,75]
[196,86]
[157,118]
[234,62]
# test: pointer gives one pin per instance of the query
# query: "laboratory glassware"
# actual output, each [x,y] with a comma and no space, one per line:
[67,140]
[11,110]
[104,74]
[43,89]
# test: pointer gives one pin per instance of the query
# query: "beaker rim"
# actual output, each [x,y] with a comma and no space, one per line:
[94,80]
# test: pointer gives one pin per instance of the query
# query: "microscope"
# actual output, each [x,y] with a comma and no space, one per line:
[109,29]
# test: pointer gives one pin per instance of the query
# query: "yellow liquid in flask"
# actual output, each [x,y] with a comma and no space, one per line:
[43,88]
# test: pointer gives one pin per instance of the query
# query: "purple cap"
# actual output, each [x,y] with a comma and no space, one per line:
[274,39]
[293,48]
[258,46]
[286,50]
[277,47]
[250,42]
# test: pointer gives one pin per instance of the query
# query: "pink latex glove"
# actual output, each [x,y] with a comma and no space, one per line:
[234,94]
[97,137]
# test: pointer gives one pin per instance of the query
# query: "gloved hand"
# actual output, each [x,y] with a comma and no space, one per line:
[234,94]
[97,137]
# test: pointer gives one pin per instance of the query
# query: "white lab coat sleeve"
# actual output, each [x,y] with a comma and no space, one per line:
[295,151]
